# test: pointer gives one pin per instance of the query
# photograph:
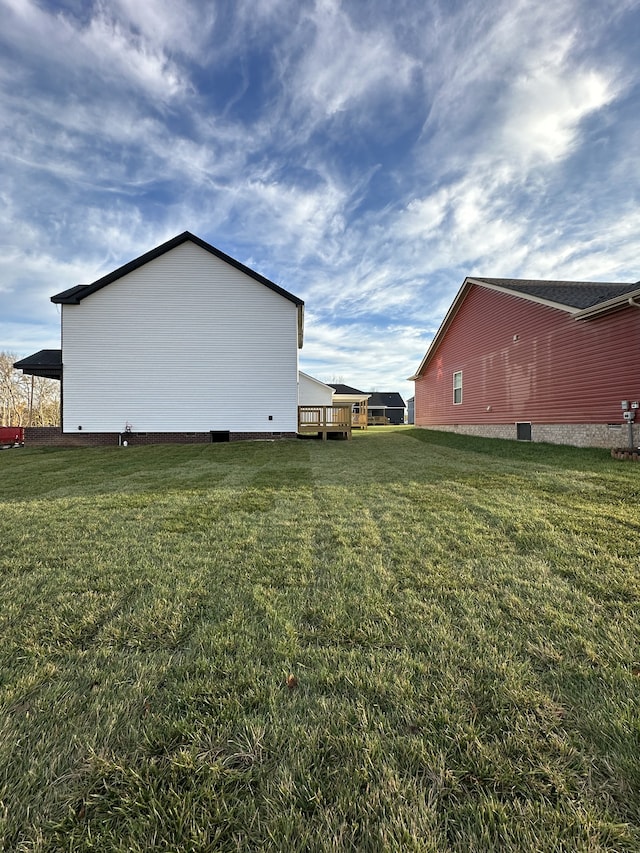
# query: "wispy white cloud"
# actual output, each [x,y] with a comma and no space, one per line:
[106,49]
[166,26]
[345,66]
[545,109]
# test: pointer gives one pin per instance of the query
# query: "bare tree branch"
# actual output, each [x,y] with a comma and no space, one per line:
[26,400]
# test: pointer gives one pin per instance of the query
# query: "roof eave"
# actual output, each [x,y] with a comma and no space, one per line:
[68,296]
[561,306]
[50,368]
[610,305]
[350,398]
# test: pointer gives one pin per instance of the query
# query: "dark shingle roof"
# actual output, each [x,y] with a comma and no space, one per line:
[575,294]
[45,362]
[68,295]
[390,399]
[344,389]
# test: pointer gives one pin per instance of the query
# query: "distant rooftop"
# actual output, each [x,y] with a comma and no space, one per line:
[388,399]
[339,388]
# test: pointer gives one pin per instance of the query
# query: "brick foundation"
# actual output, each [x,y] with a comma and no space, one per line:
[577,435]
[54,437]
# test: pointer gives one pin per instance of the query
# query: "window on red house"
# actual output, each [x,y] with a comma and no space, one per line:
[457,387]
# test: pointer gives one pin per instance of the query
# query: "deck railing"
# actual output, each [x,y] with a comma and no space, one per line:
[359,419]
[324,419]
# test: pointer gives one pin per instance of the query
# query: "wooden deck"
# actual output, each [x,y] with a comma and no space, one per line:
[359,420]
[358,404]
[324,419]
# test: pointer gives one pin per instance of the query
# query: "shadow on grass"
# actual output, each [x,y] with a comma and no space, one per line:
[559,455]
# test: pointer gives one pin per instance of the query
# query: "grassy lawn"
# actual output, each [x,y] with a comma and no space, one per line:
[408,642]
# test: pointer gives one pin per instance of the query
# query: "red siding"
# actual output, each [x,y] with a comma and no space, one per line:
[557,370]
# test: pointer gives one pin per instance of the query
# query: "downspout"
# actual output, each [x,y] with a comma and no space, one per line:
[633,301]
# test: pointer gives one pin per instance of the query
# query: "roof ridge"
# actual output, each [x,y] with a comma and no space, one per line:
[75,294]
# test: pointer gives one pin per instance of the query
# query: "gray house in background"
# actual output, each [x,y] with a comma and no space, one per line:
[379,407]
[386,408]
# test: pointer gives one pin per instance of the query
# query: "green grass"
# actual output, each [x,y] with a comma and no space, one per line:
[461,616]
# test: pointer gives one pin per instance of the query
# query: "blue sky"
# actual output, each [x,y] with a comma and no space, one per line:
[366,156]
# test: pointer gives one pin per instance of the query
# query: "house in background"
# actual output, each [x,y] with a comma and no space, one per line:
[386,408]
[410,410]
[182,344]
[535,360]
[358,400]
[372,407]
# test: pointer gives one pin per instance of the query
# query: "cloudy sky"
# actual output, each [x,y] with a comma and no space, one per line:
[364,154]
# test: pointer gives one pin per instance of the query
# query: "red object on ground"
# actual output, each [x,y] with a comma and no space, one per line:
[11,435]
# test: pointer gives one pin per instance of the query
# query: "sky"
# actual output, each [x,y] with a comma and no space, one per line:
[366,155]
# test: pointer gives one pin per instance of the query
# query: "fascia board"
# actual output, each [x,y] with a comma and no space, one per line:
[610,305]
[539,299]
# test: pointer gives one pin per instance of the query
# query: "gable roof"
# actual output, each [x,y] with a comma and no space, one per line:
[581,299]
[386,400]
[74,295]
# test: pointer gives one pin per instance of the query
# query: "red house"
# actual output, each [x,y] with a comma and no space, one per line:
[534,360]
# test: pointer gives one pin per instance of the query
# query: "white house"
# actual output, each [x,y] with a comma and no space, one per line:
[183,343]
[313,392]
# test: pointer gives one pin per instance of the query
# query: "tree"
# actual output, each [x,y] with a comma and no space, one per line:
[26,400]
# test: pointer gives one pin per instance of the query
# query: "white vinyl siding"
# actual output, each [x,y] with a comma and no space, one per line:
[312,392]
[186,342]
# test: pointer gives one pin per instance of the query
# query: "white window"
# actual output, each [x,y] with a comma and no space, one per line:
[457,387]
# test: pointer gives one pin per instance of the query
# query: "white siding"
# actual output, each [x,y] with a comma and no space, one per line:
[184,343]
[312,392]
